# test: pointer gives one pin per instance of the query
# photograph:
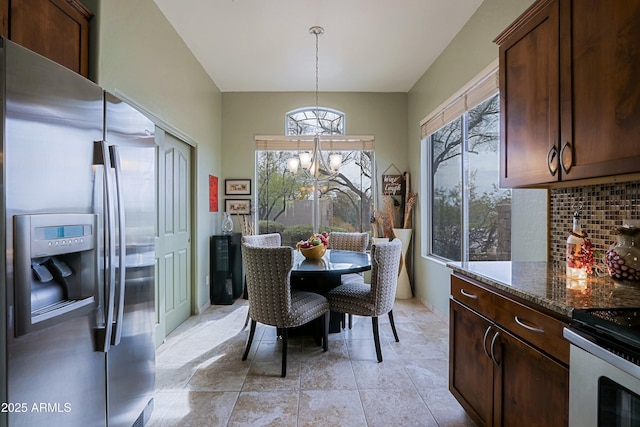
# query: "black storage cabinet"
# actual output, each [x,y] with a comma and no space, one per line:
[225,263]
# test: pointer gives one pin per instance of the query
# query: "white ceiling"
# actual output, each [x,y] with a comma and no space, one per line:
[368,45]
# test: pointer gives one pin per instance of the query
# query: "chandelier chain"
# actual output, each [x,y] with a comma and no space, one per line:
[317,33]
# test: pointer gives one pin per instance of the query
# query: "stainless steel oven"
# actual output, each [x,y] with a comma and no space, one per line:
[604,371]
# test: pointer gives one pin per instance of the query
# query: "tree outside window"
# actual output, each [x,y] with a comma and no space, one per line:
[470,214]
[285,200]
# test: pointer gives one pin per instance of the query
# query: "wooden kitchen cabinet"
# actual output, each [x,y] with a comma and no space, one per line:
[56,29]
[470,370]
[496,373]
[570,96]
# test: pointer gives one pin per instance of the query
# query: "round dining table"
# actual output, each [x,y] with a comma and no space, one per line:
[322,275]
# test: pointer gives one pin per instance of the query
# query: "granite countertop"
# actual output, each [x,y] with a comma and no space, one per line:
[542,284]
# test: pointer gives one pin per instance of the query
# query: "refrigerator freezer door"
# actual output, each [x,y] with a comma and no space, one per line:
[131,358]
[52,117]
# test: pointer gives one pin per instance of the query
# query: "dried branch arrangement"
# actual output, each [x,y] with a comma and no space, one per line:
[408,208]
[246,225]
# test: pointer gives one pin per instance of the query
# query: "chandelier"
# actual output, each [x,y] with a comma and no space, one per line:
[314,164]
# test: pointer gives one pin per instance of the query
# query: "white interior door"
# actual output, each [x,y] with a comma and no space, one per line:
[173,293]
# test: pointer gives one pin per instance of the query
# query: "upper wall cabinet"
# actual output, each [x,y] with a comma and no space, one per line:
[56,29]
[570,92]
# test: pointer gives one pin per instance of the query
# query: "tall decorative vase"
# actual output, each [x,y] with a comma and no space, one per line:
[403,290]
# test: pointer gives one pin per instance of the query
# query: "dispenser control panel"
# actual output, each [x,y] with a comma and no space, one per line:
[50,240]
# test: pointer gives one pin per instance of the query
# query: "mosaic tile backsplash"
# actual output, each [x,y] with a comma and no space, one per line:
[604,207]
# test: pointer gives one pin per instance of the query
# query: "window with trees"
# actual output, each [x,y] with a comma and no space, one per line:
[285,201]
[470,216]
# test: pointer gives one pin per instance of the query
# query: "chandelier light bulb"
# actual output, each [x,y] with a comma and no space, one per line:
[335,162]
[305,160]
[292,164]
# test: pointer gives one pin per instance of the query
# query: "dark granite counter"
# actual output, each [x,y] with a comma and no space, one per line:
[540,283]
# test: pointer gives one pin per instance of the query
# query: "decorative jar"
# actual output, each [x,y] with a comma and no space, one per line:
[623,260]
[227,224]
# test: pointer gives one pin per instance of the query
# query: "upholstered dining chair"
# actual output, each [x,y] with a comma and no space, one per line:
[271,299]
[358,242]
[375,300]
[263,240]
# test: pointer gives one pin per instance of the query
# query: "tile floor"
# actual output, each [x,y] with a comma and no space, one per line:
[202,381]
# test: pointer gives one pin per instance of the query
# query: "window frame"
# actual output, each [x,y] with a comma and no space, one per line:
[329,143]
[480,89]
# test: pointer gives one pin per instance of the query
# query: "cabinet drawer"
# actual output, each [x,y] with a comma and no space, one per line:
[539,329]
[531,325]
[473,296]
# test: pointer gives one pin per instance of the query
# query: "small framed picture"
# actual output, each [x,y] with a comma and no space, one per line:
[239,187]
[237,206]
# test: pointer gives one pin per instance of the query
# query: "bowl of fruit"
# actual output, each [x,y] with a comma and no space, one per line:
[315,246]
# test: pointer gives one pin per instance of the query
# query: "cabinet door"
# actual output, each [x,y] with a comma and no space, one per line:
[532,388]
[56,29]
[600,57]
[4,18]
[470,369]
[529,95]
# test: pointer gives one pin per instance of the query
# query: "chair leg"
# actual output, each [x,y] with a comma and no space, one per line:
[350,320]
[393,326]
[325,331]
[252,332]
[376,338]
[246,321]
[284,351]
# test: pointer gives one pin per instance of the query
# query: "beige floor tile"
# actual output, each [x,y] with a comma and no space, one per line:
[446,409]
[330,408]
[219,376]
[327,375]
[395,407]
[265,376]
[202,381]
[197,409]
[388,374]
[269,408]
[427,374]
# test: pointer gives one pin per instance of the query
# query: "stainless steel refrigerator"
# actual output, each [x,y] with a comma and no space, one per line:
[77,281]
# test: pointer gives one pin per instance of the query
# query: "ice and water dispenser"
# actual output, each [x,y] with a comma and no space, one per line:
[55,268]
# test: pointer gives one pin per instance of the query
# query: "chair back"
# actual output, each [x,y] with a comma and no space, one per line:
[263,240]
[349,241]
[385,259]
[268,274]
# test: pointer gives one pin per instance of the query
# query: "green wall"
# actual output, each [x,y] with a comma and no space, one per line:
[245,114]
[137,55]
[467,55]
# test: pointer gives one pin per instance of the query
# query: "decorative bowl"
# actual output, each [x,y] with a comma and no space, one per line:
[313,252]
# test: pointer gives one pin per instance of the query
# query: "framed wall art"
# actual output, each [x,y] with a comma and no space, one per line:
[237,206]
[237,187]
[213,193]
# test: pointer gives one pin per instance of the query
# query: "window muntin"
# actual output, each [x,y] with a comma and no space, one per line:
[312,121]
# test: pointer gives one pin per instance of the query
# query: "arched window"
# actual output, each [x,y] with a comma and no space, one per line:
[285,201]
[312,121]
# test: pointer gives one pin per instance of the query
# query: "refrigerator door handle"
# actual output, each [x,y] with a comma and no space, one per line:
[122,253]
[104,333]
